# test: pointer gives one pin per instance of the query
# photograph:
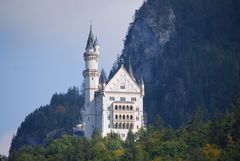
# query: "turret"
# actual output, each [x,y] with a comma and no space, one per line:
[91,73]
[91,79]
[90,42]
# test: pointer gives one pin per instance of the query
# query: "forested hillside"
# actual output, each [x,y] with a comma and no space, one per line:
[50,121]
[216,140]
[188,52]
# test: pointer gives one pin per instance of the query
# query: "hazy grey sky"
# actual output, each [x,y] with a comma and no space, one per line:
[41,48]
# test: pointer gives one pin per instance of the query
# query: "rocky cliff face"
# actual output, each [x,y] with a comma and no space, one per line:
[189,55]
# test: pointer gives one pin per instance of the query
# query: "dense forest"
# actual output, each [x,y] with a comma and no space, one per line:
[50,121]
[216,140]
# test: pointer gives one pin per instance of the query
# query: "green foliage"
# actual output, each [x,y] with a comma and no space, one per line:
[3,158]
[210,152]
[50,121]
[96,135]
[196,141]
[159,123]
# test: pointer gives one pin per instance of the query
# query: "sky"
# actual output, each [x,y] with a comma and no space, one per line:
[41,50]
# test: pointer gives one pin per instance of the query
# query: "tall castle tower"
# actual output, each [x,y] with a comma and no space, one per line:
[115,105]
[91,80]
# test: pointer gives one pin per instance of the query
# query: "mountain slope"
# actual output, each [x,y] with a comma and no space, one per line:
[50,121]
[189,55]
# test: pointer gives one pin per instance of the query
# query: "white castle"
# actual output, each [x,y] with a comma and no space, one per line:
[115,105]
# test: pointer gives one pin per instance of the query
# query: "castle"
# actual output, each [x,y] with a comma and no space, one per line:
[114,105]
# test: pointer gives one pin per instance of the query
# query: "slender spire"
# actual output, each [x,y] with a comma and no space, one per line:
[130,70]
[90,41]
[96,42]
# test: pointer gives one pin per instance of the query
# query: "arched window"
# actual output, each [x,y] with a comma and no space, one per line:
[120,107]
[127,117]
[131,117]
[120,117]
[131,125]
[123,107]
[116,125]
[127,126]
[131,107]
[123,117]
[120,125]
[127,108]
[116,116]
[116,107]
[123,125]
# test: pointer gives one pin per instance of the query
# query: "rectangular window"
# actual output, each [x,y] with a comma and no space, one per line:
[122,99]
[134,99]
[122,87]
[108,117]
[108,125]
[111,98]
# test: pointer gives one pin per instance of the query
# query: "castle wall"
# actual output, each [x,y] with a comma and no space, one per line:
[110,112]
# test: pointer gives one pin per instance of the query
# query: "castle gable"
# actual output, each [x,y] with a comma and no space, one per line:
[122,82]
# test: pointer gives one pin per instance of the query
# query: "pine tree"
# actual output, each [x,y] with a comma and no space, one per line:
[103,77]
[116,65]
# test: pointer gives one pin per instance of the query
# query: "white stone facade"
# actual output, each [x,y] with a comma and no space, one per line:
[114,106]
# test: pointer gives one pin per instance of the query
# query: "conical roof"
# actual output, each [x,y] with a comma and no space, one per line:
[90,41]
[96,42]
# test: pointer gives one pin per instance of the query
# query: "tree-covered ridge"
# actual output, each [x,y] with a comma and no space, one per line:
[50,121]
[217,140]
